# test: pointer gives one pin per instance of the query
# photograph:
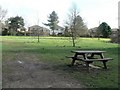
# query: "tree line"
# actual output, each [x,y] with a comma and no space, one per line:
[74,25]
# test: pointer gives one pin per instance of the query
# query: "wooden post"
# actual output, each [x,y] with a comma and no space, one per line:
[73,59]
[104,63]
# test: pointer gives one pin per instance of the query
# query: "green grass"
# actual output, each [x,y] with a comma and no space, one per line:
[0,63]
[54,50]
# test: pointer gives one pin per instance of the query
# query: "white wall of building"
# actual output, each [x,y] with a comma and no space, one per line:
[56,32]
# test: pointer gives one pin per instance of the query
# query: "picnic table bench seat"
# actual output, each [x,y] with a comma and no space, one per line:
[91,59]
[79,58]
[102,59]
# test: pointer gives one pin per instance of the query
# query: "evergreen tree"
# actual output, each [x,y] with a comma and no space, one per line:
[104,29]
[52,21]
[14,23]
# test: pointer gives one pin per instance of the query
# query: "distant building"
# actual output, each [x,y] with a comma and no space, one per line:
[115,35]
[114,30]
[36,29]
[92,32]
[58,31]
[1,26]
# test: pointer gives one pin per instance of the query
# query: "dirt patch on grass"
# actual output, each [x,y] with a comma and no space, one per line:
[28,71]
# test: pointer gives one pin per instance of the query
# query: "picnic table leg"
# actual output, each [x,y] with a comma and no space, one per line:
[92,55]
[73,61]
[87,63]
[104,63]
[84,56]
[101,55]
[87,66]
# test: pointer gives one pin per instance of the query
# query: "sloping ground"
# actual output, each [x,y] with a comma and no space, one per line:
[27,71]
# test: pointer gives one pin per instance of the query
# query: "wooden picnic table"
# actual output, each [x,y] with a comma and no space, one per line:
[88,56]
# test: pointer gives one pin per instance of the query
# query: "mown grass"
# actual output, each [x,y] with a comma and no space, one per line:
[54,50]
[0,63]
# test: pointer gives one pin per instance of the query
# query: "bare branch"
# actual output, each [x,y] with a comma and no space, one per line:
[2,13]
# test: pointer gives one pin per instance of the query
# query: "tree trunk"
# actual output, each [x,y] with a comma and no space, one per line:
[38,37]
[53,33]
[25,33]
[73,40]
[98,37]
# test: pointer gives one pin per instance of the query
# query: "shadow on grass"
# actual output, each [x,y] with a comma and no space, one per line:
[79,69]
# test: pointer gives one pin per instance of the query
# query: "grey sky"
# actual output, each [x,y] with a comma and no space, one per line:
[92,11]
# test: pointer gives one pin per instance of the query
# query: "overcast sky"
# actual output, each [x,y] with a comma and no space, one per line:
[92,11]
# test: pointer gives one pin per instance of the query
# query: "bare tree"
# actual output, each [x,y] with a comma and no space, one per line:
[2,16]
[2,13]
[75,23]
[38,33]
[71,22]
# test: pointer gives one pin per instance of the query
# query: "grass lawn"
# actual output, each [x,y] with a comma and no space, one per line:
[0,63]
[54,50]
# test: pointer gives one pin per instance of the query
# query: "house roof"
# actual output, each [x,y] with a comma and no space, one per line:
[59,27]
[93,29]
[35,26]
[2,25]
[114,29]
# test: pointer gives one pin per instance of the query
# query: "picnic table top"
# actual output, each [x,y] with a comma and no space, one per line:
[87,51]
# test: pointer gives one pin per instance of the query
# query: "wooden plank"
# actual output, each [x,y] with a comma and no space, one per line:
[93,66]
[69,56]
[88,51]
[104,59]
[76,58]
